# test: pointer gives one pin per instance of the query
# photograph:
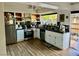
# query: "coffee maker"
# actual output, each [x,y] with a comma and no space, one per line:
[58,24]
[66,28]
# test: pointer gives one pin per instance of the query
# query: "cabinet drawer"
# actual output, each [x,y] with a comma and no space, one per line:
[53,40]
[47,39]
[48,32]
[58,34]
[53,43]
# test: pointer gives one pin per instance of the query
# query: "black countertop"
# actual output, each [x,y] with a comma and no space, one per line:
[19,29]
[58,31]
[53,30]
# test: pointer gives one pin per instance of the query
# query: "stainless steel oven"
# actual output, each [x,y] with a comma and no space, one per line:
[42,34]
[28,33]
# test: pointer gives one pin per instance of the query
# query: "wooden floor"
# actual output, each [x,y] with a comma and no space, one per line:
[34,47]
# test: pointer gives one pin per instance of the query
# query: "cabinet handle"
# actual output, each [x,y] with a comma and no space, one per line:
[50,35]
[55,37]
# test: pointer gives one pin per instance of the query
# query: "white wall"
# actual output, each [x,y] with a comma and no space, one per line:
[67,13]
[2,32]
[64,8]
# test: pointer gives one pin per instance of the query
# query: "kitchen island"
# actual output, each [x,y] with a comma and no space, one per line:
[58,39]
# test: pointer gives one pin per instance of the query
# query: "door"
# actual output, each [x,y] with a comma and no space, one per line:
[74,29]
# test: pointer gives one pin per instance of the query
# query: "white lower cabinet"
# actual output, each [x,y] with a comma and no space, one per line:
[53,39]
[20,35]
[37,33]
[49,37]
[60,40]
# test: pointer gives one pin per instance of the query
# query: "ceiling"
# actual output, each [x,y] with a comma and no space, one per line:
[41,7]
[50,6]
[63,5]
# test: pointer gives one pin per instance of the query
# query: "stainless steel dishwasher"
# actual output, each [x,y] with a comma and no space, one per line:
[42,37]
[42,34]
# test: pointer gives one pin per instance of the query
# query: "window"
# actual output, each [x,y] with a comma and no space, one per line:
[51,17]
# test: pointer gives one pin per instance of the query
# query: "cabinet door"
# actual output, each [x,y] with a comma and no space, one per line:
[35,33]
[20,35]
[59,40]
[47,38]
[38,33]
[53,39]
[66,40]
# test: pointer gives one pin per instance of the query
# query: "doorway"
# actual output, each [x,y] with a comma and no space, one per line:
[74,30]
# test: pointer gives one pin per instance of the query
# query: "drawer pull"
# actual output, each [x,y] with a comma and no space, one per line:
[49,35]
[55,37]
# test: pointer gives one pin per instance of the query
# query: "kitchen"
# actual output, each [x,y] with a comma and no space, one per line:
[51,28]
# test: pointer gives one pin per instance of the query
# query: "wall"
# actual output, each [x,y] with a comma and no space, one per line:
[64,8]
[67,13]
[2,32]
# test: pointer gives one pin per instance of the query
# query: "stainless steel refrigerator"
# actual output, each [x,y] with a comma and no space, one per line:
[10,29]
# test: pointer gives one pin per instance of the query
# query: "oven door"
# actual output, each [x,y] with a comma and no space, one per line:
[28,34]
